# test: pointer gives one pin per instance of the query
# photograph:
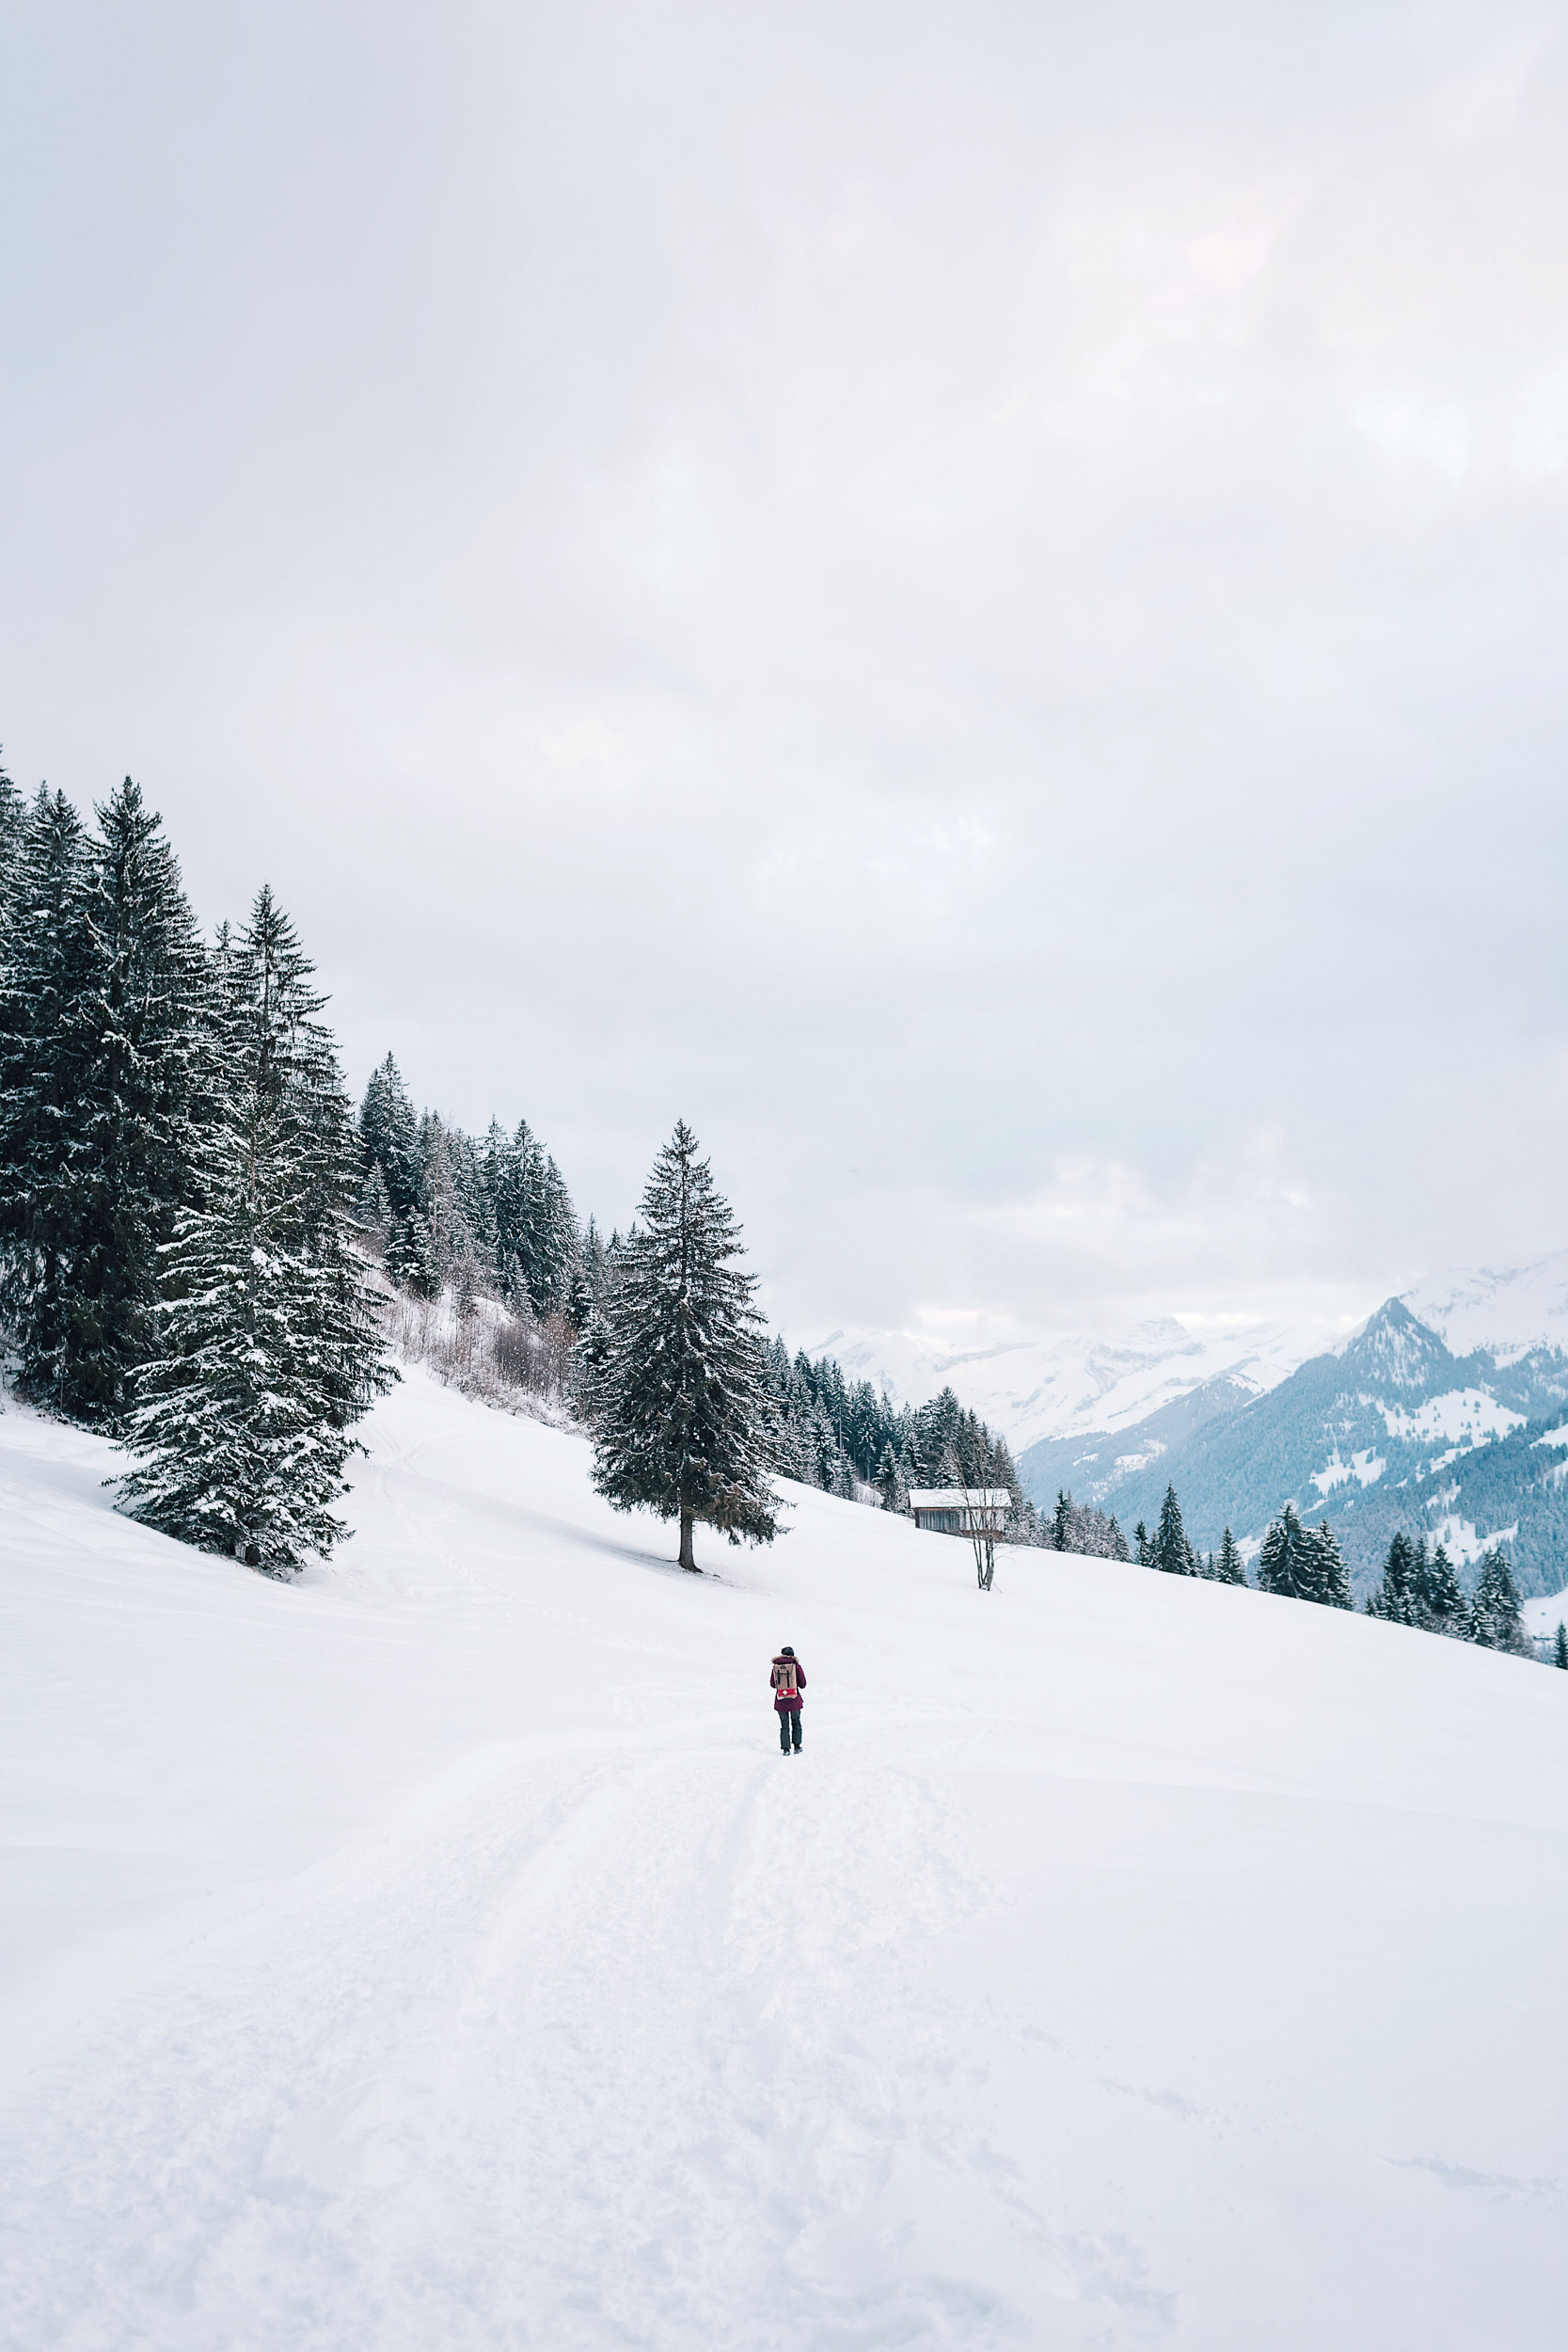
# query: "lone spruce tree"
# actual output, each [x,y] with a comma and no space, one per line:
[1170,1550]
[1287,1558]
[268,1346]
[680,1401]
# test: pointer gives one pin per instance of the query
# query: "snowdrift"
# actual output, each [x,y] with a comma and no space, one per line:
[439,1953]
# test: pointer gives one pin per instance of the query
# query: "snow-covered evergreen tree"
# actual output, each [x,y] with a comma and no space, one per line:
[537,1242]
[13,818]
[1497,1611]
[269,1347]
[867,1427]
[594,1261]
[1439,1600]
[1141,1551]
[1077,1527]
[682,1422]
[890,1482]
[48,968]
[824,1455]
[1289,1558]
[818,1421]
[104,1046]
[389,1136]
[937,1437]
[1559,1647]
[830,1431]
[150,1069]
[1170,1551]
[373,1214]
[455,1204]
[1331,1579]
[411,1260]
[1230,1567]
[1395,1598]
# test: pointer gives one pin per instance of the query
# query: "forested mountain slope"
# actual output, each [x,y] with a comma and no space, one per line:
[1391,1431]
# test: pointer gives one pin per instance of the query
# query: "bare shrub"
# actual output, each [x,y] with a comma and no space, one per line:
[476,1344]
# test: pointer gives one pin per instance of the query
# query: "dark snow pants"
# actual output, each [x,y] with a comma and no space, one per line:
[789,1728]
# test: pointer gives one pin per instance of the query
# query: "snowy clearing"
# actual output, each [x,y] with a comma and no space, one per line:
[1463,1541]
[1467,1415]
[1366,1467]
[1545,1612]
[438,1956]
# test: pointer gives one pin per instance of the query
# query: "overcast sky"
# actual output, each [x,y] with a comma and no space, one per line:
[970,596]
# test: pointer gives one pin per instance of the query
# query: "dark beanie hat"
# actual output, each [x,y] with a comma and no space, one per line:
[786,1651]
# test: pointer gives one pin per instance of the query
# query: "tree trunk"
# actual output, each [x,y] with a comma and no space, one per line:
[687,1560]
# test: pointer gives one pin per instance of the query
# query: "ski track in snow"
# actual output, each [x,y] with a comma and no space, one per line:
[1126,1963]
[570,1972]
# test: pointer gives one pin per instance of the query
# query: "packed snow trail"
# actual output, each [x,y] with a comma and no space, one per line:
[441,1952]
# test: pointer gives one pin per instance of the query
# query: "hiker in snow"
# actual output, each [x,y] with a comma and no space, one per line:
[788,1683]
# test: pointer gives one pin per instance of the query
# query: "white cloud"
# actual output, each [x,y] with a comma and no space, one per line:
[803,567]
[585,743]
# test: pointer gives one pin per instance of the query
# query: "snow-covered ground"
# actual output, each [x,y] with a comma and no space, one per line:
[438,1956]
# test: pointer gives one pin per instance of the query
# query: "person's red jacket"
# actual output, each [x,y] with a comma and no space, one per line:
[788,1698]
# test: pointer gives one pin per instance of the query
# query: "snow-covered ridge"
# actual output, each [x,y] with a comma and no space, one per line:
[1507,1311]
[1067,1384]
[1057,1385]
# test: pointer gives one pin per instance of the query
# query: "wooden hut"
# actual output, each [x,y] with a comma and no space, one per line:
[958,1510]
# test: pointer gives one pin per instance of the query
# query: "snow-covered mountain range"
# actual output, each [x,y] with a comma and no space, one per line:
[1506,1313]
[1393,1430]
[1071,1383]
[1444,1412]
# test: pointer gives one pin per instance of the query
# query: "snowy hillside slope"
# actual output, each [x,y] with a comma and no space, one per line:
[438,1952]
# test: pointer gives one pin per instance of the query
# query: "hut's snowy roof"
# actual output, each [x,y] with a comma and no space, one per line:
[954,1498]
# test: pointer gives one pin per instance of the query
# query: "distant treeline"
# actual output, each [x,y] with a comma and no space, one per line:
[1420,1586]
